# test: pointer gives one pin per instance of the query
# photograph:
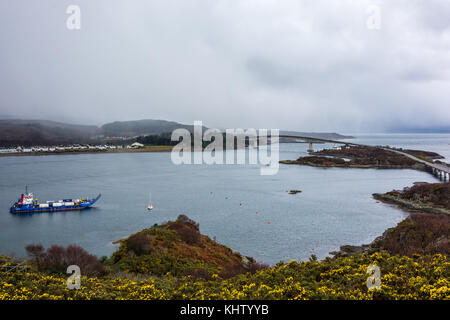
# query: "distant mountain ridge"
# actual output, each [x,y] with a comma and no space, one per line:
[43,132]
[141,127]
[15,132]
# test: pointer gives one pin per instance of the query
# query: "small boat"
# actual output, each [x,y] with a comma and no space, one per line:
[150,207]
[27,203]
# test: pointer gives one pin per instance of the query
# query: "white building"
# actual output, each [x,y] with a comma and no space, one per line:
[136,145]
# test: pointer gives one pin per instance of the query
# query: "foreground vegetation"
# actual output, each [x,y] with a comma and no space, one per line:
[175,261]
[425,277]
[178,248]
[420,233]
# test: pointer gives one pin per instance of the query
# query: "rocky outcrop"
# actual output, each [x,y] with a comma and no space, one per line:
[410,205]
[348,250]
[361,157]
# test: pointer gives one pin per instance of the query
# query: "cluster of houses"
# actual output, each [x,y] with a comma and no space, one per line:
[135,145]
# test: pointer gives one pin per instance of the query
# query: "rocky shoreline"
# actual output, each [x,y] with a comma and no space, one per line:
[410,205]
[428,222]
[417,166]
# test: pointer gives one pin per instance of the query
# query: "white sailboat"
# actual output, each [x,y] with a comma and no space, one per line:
[150,207]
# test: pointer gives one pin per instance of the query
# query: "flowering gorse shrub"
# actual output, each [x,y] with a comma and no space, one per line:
[420,277]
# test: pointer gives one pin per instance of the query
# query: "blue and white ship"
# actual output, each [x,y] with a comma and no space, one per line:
[27,203]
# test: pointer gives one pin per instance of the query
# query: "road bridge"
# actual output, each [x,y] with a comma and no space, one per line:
[312,140]
[439,170]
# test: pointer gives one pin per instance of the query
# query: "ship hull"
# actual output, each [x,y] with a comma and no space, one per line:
[42,210]
[32,209]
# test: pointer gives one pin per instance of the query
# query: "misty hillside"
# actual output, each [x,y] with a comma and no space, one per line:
[141,127]
[43,132]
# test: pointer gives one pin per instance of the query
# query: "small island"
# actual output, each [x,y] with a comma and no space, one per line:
[365,157]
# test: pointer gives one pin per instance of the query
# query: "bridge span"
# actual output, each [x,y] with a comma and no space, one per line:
[312,140]
[439,170]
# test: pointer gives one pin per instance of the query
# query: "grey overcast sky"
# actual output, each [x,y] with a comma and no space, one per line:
[289,64]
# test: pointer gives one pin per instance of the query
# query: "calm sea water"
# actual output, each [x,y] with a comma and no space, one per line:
[335,207]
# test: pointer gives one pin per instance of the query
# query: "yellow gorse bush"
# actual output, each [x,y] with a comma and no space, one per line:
[426,277]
